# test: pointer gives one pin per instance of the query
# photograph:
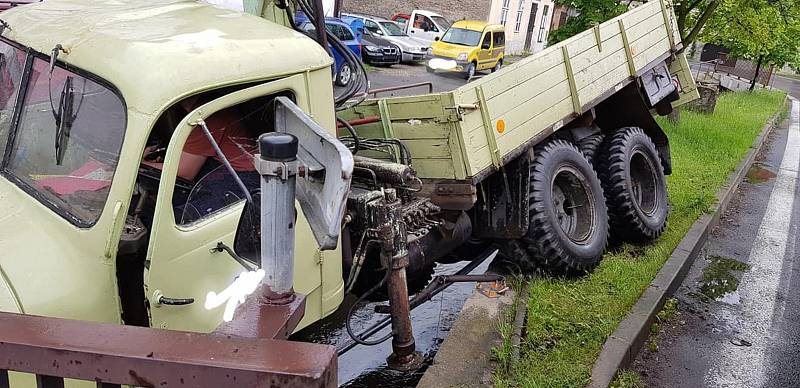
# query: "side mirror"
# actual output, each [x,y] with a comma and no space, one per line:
[436,38]
[486,46]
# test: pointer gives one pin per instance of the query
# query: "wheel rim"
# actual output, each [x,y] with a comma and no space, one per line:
[643,183]
[345,74]
[471,71]
[498,66]
[573,203]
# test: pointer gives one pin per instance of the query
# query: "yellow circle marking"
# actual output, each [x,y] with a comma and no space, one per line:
[501,126]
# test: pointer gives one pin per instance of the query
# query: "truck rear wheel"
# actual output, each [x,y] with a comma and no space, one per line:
[590,146]
[634,183]
[568,228]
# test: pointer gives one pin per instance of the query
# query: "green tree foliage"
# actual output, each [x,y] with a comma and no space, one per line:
[590,12]
[765,31]
[690,15]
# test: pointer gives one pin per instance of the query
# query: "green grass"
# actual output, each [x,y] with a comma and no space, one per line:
[568,320]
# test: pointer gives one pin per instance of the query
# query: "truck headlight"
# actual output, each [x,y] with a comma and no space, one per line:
[461,57]
[372,49]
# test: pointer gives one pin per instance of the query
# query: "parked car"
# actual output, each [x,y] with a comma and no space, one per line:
[469,46]
[421,24]
[342,73]
[376,50]
[414,50]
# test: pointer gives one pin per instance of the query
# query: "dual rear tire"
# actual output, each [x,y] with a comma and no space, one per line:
[579,195]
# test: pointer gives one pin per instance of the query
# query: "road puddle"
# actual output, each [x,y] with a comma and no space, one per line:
[759,173]
[365,366]
[719,282]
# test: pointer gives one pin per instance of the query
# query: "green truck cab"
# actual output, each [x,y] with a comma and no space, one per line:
[73,130]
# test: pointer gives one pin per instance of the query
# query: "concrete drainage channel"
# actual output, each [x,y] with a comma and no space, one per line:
[365,366]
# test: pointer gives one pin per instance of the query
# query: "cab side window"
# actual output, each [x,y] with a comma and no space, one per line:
[424,23]
[499,39]
[487,41]
[12,64]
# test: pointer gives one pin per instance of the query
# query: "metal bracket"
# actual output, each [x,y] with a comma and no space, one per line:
[280,169]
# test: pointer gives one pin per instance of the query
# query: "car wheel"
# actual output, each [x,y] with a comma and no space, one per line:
[635,186]
[497,67]
[469,72]
[345,75]
[568,229]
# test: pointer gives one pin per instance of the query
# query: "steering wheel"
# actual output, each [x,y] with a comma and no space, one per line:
[150,177]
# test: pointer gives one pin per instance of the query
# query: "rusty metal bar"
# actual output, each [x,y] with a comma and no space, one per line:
[148,357]
[374,92]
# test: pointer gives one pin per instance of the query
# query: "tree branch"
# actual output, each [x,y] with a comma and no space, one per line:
[689,39]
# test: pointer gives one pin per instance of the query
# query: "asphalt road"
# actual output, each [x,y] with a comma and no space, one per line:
[738,319]
[406,74]
[790,85]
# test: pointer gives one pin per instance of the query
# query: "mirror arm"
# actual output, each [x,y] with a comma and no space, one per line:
[225,161]
[241,260]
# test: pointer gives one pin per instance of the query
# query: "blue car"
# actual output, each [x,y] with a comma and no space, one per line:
[342,73]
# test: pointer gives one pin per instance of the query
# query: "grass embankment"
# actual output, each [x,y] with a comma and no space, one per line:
[568,320]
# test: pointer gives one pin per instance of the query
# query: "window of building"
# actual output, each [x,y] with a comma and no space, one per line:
[520,10]
[504,12]
[541,26]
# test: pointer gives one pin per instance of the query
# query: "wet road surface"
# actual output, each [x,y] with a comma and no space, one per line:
[738,320]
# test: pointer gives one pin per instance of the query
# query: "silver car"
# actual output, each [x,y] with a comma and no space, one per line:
[414,50]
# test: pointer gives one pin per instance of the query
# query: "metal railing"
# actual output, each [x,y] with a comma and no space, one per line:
[374,92]
[111,355]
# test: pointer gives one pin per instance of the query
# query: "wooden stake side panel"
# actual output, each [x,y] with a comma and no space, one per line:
[533,94]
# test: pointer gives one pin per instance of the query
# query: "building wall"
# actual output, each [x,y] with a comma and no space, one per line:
[451,9]
[517,33]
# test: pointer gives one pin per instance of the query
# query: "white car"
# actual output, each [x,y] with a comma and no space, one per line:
[414,50]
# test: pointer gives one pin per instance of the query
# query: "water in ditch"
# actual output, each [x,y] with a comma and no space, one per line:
[365,366]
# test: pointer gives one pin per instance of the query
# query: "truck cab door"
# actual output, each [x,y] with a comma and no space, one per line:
[485,52]
[421,26]
[184,262]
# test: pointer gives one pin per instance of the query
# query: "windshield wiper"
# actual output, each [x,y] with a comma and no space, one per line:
[64,119]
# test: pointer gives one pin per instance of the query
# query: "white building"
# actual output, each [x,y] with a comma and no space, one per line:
[527,23]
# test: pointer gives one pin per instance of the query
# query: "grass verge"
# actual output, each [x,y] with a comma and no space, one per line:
[569,319]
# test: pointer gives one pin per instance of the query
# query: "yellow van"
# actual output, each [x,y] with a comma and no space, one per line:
[473,45]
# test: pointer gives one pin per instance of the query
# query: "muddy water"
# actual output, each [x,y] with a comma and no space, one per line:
[719,281]
[760,173]
[365,366]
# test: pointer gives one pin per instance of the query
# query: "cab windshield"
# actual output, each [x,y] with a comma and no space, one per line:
[442,22]
[65,145]
[462,37]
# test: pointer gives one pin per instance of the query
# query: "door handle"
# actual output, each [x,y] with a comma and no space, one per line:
[161,299]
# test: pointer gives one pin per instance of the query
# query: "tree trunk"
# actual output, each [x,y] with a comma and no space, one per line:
[755,77]
[675,115]
[701,21]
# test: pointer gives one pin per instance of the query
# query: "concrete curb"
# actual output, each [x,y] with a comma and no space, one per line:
[622,346]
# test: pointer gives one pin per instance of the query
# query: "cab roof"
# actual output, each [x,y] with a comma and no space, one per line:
[476,25]
[159,51]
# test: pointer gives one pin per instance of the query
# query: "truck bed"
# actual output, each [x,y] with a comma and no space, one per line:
[469,132]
